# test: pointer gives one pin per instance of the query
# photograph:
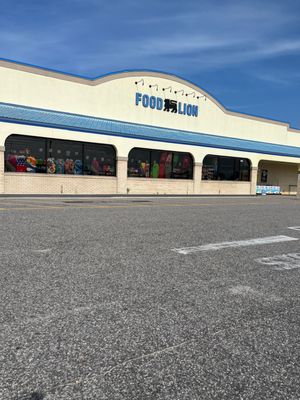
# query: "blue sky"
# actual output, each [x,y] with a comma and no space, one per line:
[245,53]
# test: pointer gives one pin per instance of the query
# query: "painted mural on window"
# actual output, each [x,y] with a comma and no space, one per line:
[144,163]
[54,156]
[25,154]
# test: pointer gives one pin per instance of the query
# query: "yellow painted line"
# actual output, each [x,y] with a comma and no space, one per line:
[63,207]
[21,204]
[31,208]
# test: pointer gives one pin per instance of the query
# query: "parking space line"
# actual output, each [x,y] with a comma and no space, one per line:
[295,228]
[281,262]
[237,243]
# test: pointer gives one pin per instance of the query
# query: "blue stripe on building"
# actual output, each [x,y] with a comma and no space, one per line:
[54,119]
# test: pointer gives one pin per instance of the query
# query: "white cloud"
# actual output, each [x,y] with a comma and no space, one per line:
[212,35]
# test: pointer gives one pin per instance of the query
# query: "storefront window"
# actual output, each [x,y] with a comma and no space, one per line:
[144,163]
[25,154]
[225,168]
[54,156]
[245,167]
[139,163]
[64,157]
[182,166]
[157,170]
[99,160]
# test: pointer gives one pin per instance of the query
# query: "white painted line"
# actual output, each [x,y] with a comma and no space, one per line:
[42,251]
[295,228]
[282,262]
[238,243]
[247,291]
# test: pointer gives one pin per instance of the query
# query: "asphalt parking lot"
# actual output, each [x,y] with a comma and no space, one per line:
[149,298]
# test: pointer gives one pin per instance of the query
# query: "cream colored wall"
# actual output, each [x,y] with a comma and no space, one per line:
[298,182]
[33,90]
[122,163]
[292,138]
[279,174]
[115,99]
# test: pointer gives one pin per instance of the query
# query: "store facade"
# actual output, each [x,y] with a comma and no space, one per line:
[138,132]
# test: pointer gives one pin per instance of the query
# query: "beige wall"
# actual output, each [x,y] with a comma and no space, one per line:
[253,180]
[298,182]
[197,175]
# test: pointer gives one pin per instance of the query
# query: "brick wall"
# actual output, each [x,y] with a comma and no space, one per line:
[225,187]
[18,183]
[159,186]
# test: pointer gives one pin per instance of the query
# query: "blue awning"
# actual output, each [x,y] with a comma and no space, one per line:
[82,123]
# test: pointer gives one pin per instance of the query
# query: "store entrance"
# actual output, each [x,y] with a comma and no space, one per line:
[276,177]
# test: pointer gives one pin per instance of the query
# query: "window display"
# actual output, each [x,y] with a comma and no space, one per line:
[144,163]
[99,160]
[139,163]
[225,168]
[182,166]
[25,154]
[64,157]
[210,168]
[55,156]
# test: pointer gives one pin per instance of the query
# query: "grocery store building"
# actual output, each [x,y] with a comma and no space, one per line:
[134,132]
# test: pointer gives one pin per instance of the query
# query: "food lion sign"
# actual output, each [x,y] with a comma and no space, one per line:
[173,106]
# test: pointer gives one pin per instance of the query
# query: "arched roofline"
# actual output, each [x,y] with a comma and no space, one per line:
[94,81]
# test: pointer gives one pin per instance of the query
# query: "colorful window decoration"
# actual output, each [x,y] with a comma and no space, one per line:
[225,168]
[144,163]
[25,154]
[55,156]
[99,160]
